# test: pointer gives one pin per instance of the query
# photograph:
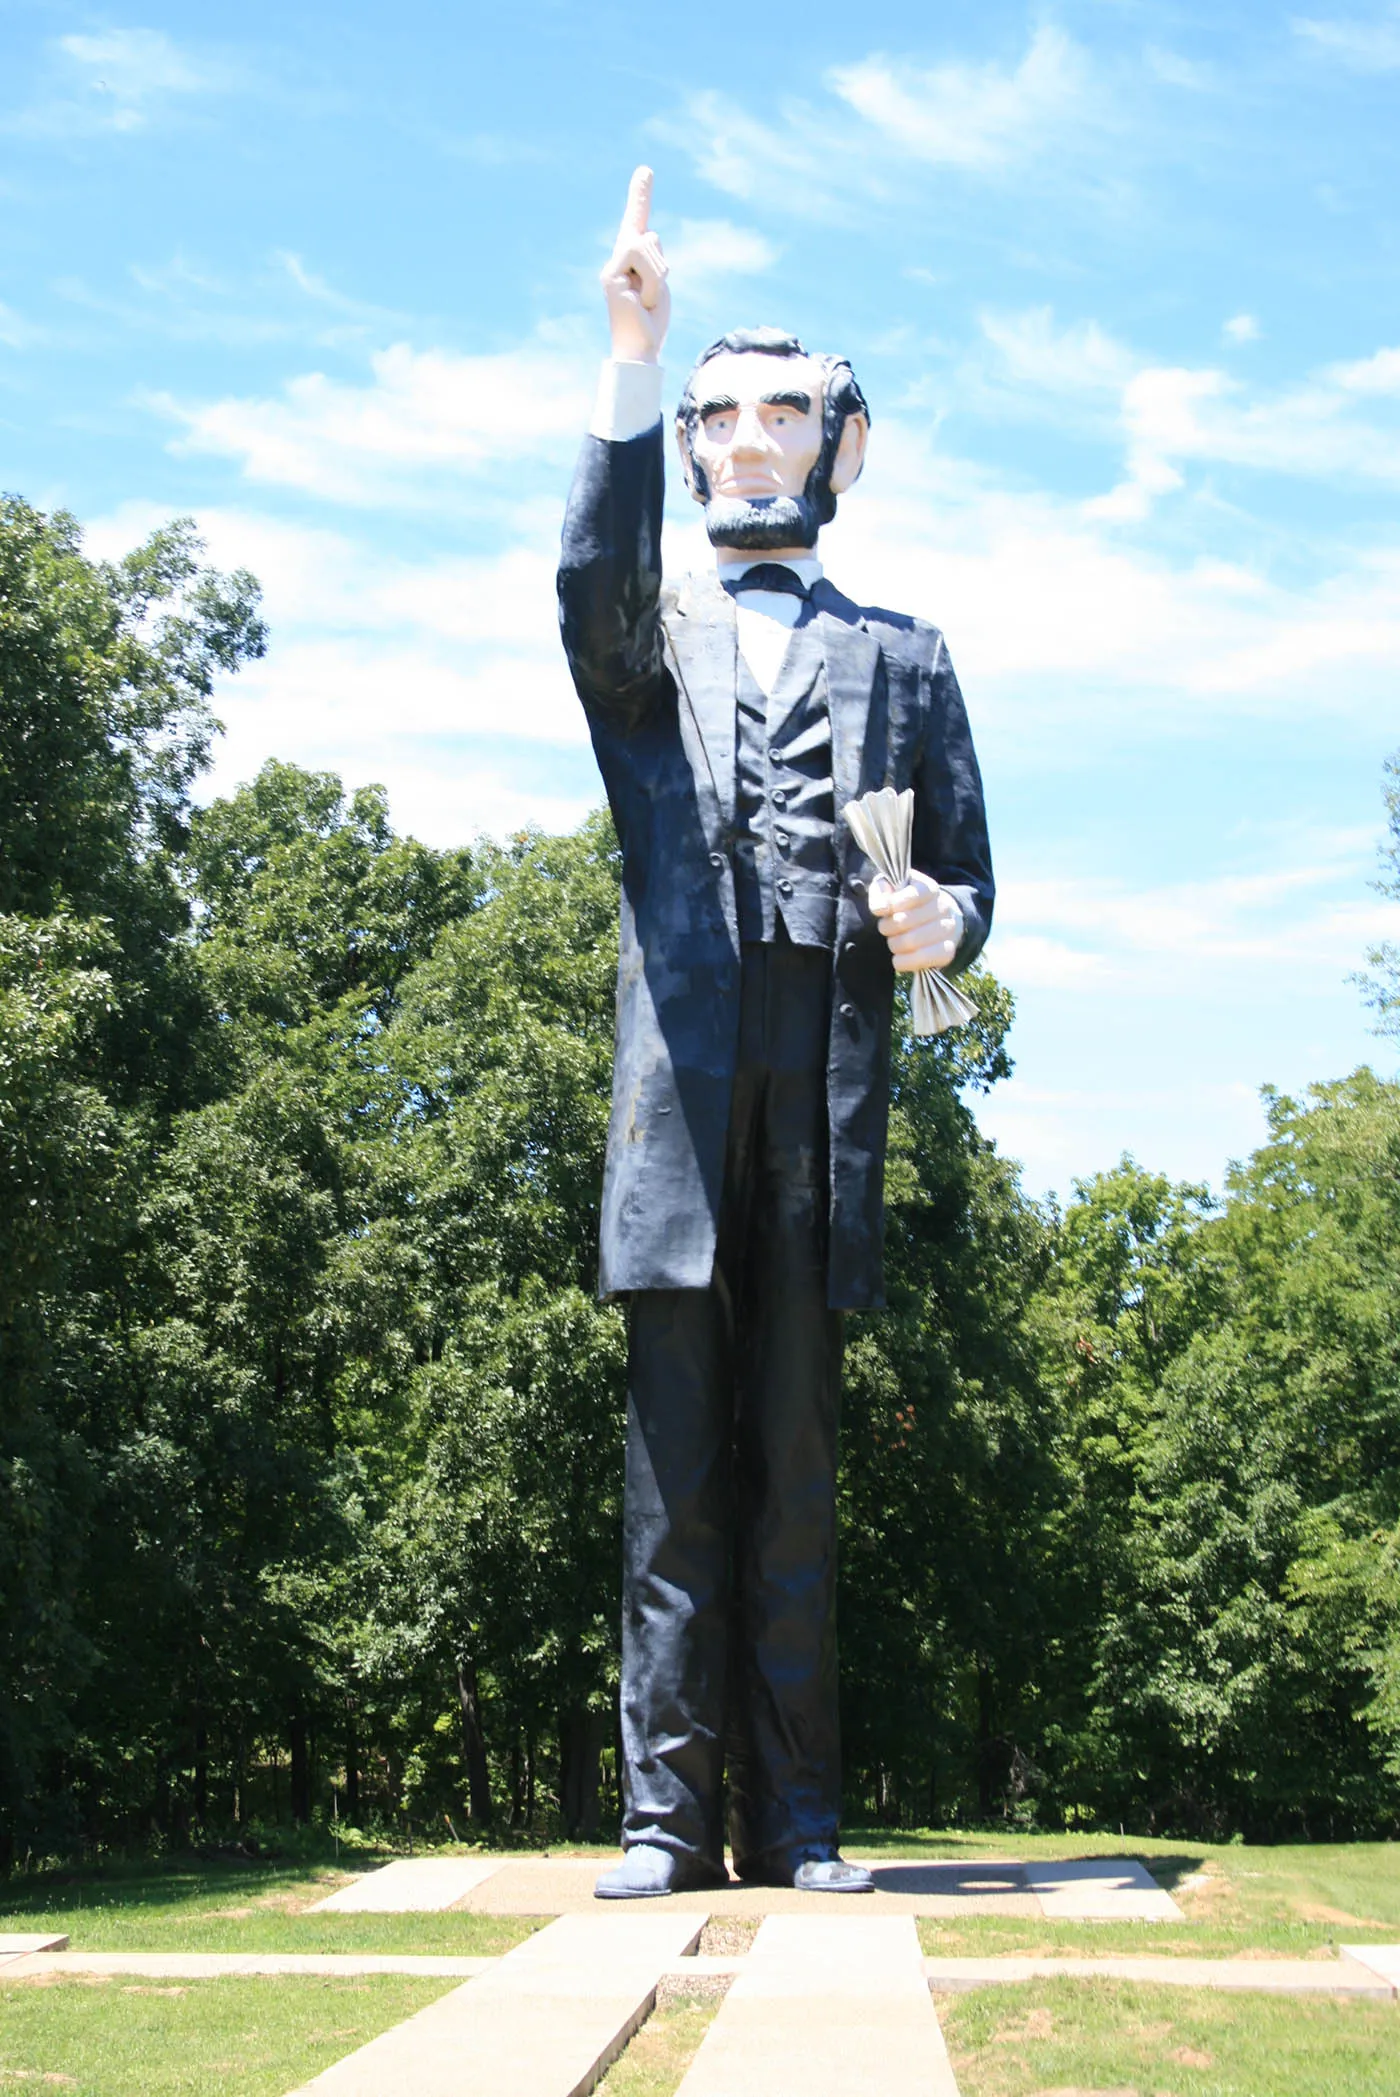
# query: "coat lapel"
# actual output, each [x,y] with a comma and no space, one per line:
[855,696]
[704,635]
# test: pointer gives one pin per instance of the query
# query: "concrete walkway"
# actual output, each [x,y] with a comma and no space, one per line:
[826,2006]
[20,1946]
[1093,1889]
[1383,1959]
[1347,1976]
[545,2021]
[219,1965]
[411,1886]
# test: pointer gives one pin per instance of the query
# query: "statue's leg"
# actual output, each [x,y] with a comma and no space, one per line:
[784,1762]
[676,1539]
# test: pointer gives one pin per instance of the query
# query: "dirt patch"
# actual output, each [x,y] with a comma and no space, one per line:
[1318,1911]
[135,1988]
[59,1980]
[1192,2056]
[1083,2089]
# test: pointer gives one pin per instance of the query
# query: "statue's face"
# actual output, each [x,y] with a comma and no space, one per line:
[759,427]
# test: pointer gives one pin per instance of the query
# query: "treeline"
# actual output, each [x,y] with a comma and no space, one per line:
[310,1421]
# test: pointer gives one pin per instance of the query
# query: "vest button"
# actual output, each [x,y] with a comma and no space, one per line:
[857,885]
[848,1012]
[784,888]
[849,947]
[781,837]
[779,797]
[716,859]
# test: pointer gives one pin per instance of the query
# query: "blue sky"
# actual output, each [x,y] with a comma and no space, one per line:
[1121,282]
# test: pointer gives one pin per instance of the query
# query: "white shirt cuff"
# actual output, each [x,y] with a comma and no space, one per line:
[628,403]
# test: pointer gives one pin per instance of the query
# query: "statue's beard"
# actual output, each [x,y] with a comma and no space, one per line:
[763,524]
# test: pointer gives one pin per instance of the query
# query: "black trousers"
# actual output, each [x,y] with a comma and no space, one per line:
[728,1631]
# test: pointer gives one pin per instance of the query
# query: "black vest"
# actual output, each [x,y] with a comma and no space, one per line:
[784,864]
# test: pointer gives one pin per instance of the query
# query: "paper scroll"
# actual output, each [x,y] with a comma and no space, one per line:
[882,824]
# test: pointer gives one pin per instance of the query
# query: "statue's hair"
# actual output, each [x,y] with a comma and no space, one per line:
[841,398]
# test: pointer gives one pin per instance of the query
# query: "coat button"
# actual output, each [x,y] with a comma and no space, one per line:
[716,859]
[849,947]
[779,797]
[781,837]
[784,888]
[857,885]
[848,1012]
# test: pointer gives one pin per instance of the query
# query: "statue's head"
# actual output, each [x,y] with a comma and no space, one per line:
[769,437]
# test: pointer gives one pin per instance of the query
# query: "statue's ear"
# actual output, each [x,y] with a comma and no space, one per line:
[850,454]
[694,479]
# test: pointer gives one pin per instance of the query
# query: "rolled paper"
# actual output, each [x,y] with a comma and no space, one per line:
[882,824]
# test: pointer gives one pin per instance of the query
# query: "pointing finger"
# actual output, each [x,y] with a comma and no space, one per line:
[637,215]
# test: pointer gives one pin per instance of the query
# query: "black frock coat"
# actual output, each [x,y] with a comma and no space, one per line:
[656,669]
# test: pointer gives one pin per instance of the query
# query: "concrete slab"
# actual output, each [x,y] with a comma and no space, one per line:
[410,1886]
[19,1946]
[826,2006]
[1383,1959]
[215,1965]
[1099,1889]
[1234,1976]
[544,2022]
[564,1886]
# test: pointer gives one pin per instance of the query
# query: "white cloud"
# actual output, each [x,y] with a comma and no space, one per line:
[1175,413]
[127,76]
[1369,46]
[1241,327]
[705,252]
[1060,620]
[975,118]
[749,157]
[1173,70]
[1033,352]
[15,331]
[424,413]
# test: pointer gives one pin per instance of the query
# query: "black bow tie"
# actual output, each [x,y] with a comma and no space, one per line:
[769,575]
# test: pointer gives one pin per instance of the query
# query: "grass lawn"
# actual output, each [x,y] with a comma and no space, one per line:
[258,2038]
[186,1904]
[657,2058]
[1106,2039]
[1290,1900]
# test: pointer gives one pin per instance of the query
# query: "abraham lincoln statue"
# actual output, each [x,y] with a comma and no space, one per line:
[733,718]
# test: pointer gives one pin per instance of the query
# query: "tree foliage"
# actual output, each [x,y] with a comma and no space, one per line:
[310,1444]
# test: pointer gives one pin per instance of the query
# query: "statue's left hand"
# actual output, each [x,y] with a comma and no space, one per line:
[921,923]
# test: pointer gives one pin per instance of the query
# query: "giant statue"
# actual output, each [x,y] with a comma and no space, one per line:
[733,716]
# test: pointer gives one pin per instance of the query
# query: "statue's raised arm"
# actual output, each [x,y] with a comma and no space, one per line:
[610,560]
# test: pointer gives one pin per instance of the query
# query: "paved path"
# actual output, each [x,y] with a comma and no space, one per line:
[1102,1889]
[1345,1976]
[19,1947]
[826,2006]
[411,1886]
[544,2022]
[217,1965]
[1383,1959]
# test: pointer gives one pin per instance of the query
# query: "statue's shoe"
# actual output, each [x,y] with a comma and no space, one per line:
[646,1873]
[812,1875]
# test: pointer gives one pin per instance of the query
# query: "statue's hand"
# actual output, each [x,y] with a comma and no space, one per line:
[634,281]
[921,923]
